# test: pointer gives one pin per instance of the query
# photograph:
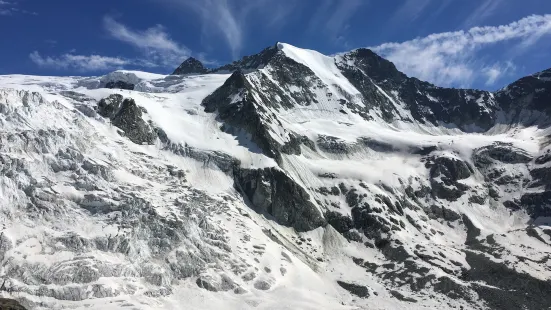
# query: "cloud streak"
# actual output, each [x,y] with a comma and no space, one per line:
[494,72]
[8,8]
[410,11]
[332,18]
[230,19]
[154,42]
[157,48]
[486,9]
[449,58]
[79,62]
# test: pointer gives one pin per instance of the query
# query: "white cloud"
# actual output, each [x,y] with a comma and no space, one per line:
[231,19]
[79,62]
[158,50]
[6,8]
[486,9]
[155,42]
[10,8]
[450,58]
[496,71]
[217,18]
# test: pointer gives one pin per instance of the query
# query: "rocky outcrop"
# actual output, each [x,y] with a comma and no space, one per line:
[355,289]
[10,304]
[502,152]
[334,145]
[119,79]
[191,66]
[251,62]
[215,282]
[126,115]
[500,281]
[236,107]
[120,85]
[129,119]
[427,103]
[271,191]
[108,107]
[445,172]
[525,96]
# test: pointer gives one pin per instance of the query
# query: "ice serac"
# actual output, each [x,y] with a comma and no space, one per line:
[191,66]
[287,179]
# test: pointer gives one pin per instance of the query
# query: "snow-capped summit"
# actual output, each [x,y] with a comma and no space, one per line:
[288,179]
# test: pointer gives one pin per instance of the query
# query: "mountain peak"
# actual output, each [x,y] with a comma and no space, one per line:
[191,66]
[252,62]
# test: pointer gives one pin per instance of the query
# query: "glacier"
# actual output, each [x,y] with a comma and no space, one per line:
[285,180]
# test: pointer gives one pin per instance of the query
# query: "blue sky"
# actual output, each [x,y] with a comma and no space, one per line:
[461,43]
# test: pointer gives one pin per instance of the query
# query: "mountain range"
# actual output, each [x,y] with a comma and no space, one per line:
[286,180]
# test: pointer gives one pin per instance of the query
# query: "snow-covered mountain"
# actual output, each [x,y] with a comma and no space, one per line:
[286,180]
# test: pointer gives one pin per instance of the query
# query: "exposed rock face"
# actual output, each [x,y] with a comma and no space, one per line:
[528,95]
[251,62]
[507,167]
[108,107]
[129,119]
[355,289]
[340,222]
[427,103]
[501,279]
[271,191]
[445,172]
[236,106]
[120,85]
[190,66]
[115,80]
[504,153]
[10,304]
[126,115]
[216,283]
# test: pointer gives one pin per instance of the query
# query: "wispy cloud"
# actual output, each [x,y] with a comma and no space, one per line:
[234,20]
[450,58]
[8,8]
[443,5]
[496,71]
[410,11]
[79,62]
[218,17]
[154,42]
[157,50]
[483,11]
[332,18]
[231,20]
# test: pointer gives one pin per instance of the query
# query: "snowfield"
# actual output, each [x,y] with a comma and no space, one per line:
[311,184]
